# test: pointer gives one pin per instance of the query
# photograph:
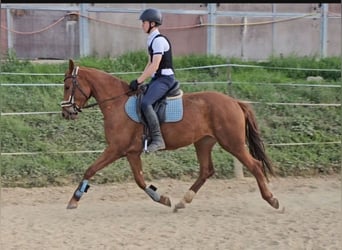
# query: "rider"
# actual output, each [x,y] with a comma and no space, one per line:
[159,67]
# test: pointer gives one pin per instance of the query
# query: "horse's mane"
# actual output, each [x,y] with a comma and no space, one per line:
[101,73]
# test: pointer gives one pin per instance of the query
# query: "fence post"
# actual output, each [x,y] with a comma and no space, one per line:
[84,30]
[238,168]
[274,12]
[211,31]
[229,80]
[324,29]
[9,28]
[243,37]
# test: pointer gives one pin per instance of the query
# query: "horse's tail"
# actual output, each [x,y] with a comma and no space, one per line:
[254,141]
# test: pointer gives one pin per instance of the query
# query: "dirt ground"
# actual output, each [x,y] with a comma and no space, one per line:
[225,214]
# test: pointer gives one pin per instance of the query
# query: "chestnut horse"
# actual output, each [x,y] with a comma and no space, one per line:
[209,117]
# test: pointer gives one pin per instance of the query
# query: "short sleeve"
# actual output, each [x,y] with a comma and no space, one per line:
[160,45]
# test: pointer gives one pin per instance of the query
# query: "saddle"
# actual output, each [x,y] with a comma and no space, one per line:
[160,105]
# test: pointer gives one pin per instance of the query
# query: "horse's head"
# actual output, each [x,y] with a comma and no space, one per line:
[76,92]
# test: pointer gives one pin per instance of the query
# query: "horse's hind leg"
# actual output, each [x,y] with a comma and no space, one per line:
[255,167]
[203,151]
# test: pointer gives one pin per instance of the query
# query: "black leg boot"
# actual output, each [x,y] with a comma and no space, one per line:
[153,124]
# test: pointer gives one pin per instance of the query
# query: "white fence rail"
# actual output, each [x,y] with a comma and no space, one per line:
[180,69]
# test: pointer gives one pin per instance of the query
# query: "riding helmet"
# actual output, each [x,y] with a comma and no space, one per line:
[151,15]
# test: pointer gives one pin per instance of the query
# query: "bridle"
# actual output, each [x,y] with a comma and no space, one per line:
[71,101]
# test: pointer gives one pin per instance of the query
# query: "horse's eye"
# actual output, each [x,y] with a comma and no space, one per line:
[66,87]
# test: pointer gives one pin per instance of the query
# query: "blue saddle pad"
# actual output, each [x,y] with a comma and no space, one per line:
[173,112]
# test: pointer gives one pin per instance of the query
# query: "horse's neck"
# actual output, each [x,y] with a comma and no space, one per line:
[105,86]
[107,89]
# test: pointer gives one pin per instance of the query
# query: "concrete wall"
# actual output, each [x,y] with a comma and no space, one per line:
[248,31]
[125,33]
[58,42]
[255,40]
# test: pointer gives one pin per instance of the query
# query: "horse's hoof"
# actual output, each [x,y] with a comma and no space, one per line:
[282,211]
[274,202]
[165,200]
[189,196]
[72,204]
[179,205]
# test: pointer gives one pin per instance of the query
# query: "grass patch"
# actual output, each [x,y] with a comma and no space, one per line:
[46,135]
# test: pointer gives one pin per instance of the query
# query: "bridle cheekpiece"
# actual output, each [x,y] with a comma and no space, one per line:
[71,101]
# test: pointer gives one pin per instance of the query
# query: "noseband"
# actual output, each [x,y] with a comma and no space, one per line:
[71,101]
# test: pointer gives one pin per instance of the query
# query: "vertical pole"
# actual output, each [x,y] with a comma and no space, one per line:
[229,80]
[229,74]
[84,31]
[211,31]
[324,29]
[9,28]
[273,28]
[243,36]
[238,169]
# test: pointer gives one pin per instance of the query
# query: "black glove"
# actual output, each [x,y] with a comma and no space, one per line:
[134,85]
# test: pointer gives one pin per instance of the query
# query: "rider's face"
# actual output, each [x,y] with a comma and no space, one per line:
[145,26]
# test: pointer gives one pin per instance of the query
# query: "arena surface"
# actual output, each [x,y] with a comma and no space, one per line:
[225,214]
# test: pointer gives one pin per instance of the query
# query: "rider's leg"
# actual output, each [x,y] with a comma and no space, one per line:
[157,89]
[153,124]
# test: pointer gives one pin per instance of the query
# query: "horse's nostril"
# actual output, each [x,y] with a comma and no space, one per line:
[65,115]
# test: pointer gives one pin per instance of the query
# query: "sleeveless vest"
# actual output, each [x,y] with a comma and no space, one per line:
[166,61]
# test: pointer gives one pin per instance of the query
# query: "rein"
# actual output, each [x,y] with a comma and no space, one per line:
[106,100]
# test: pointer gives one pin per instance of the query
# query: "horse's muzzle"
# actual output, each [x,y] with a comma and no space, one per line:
[69,113]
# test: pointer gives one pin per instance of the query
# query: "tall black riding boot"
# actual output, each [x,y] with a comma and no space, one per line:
[153,124]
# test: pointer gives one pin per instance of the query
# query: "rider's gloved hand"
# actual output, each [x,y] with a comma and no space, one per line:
[134,85]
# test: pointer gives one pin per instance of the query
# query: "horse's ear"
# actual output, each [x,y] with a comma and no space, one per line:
[71,65]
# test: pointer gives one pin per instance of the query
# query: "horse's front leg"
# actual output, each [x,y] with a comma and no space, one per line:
[136,166]
[107,157]
[203,151]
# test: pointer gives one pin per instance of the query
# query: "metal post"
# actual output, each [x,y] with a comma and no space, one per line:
[324,29]
[238,169]
[243,36]
[9,28]
[211,31]
[84,31]
[273,26]
[229,81]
